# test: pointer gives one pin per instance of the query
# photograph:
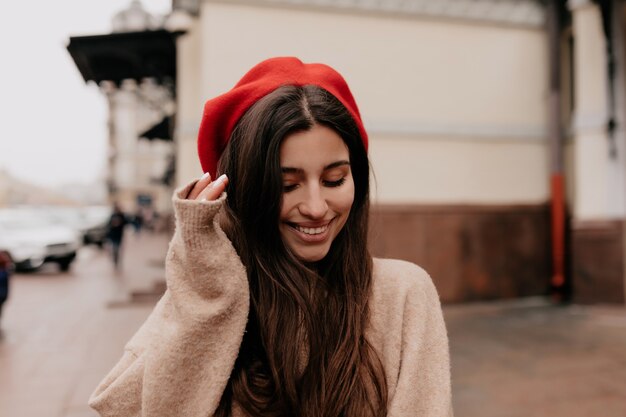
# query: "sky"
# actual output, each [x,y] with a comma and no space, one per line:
[53,124]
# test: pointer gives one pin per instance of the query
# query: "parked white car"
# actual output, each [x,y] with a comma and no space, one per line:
[95,225]
[91,222]
[31,241]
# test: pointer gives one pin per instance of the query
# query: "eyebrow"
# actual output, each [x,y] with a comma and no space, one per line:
[290,170]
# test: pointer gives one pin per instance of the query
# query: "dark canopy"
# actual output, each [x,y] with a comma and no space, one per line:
[126,55]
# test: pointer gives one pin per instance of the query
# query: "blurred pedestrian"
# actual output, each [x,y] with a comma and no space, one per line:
[6,266]
[138,220]
[115,233]
[274,306]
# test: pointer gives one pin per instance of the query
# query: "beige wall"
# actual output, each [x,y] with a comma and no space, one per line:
[598,176]
[461,171]
[456,111]
[190,100]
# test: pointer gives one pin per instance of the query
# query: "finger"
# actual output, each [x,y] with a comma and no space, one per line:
[215,189]
[200,185]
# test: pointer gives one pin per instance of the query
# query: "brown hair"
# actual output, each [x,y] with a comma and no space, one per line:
[304,352]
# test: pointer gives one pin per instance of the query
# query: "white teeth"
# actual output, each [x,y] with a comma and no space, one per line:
[312,230]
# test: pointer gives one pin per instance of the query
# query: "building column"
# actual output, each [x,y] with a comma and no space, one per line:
[189,102]
[125,130]
[598,209]
[121,169]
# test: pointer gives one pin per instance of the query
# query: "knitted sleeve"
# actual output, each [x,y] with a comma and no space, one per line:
[180,360]
[423,385]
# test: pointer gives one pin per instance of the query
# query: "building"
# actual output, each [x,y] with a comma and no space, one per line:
[496,127]
[140,94]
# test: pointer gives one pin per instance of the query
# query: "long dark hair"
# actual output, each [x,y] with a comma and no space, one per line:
[304,352]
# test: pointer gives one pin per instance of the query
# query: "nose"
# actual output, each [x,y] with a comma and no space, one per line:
[314,204]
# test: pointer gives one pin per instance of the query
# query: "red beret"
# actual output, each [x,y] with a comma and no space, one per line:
[222,112]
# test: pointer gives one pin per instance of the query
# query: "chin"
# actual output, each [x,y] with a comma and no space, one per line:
[311,256]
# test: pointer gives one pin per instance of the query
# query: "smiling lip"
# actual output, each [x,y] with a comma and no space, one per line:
[311,232]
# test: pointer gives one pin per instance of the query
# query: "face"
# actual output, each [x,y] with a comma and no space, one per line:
[318,191]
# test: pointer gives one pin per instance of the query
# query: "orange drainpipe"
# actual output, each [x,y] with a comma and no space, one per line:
[557,189]
[557,211]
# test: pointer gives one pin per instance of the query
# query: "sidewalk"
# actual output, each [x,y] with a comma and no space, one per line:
[60,338]
[142,278]
[520,358]
[529,358]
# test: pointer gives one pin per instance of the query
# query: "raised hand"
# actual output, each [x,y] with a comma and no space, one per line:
[207,190]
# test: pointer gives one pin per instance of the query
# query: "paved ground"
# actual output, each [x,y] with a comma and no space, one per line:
[529,358]
[60,337]
[524,358]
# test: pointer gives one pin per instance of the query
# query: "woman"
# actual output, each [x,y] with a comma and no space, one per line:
[274,306]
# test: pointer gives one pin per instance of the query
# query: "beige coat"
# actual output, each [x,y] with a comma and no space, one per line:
[179,362]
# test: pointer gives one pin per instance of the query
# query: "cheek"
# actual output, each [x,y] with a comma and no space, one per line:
[286,205]
[345,198]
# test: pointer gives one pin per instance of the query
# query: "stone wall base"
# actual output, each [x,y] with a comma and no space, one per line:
[598,262]
[472,252]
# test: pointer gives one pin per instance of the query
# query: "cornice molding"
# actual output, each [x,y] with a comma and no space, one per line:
[590,123]
[527,134]
[423,131]
[528,13]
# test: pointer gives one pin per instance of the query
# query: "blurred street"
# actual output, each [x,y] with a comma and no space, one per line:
[518,358]
[60,337]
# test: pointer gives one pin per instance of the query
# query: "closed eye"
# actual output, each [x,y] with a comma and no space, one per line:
[337,183]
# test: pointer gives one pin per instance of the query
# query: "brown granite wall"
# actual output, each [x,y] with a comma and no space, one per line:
[598,262]
[472,252]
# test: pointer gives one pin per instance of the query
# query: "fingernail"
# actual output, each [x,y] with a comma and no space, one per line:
[205,175]
[221,179]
